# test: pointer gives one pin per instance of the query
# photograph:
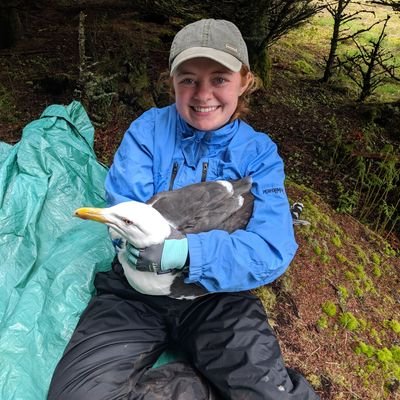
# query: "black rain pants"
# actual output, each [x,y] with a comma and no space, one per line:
[122,333]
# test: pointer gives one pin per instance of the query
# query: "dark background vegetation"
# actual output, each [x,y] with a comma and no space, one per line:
[329,98]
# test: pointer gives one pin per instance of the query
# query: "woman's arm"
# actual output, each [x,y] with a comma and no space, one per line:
[258,255]
[131,175]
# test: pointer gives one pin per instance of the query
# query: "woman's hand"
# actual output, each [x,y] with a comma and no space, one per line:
[164,257]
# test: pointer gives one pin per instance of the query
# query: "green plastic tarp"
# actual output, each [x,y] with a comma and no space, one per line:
[48,258]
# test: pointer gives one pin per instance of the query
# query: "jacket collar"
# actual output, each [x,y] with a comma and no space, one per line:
[219,136]
[198,144]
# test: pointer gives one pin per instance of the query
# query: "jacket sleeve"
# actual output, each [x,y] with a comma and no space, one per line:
[249,258]
[131,175]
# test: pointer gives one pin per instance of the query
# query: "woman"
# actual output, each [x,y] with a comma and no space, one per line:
[225,333]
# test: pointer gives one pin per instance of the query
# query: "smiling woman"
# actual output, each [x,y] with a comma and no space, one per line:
[224,332]
[207,93]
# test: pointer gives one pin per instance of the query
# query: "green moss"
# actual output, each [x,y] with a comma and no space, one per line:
[343,292]
[267,297]
[376,271]
[375,335]
[325,259]
[349,321]
[393,324]
[360,271]
[341,258]
[315,380]
[384,355]
[361,254]
[369,285]
[322,322]
[329,308]
[389,250]
[336,241]
[366,349]
[376,259]
[363,323]
[395,353]
[317,250]
[350,275]
[358,292]
[304,67]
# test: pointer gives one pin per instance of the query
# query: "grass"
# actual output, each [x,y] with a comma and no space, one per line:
[310,43]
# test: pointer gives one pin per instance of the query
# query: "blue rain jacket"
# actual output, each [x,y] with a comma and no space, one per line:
[160,151]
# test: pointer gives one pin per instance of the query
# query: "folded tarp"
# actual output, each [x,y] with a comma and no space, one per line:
[48,258]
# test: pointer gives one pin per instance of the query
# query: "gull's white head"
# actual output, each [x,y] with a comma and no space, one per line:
[138,223]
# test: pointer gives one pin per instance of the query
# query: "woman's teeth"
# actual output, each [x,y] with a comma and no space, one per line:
[205,109]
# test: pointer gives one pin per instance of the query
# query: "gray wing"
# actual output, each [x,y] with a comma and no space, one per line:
[205,206]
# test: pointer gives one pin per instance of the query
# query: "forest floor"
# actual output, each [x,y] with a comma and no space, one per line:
[336,311]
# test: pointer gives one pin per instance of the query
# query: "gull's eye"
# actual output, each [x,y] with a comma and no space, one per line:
[127,221]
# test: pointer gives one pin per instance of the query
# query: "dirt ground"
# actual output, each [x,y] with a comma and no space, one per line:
[43,69]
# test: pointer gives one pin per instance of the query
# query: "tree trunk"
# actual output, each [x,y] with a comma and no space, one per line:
[332,53]
[10,27]
[260,60]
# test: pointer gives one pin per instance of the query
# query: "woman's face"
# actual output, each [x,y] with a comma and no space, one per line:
[206,93]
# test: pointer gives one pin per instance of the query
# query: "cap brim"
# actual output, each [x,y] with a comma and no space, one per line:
[227,60]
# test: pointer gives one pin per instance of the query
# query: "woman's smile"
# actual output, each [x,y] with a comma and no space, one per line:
[206,93]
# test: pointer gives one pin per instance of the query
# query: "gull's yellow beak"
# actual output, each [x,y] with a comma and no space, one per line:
[93,214]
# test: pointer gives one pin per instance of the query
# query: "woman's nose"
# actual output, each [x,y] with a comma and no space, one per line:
[203,91]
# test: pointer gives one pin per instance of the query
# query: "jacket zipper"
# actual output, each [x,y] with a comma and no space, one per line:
[173,175]
[204,172]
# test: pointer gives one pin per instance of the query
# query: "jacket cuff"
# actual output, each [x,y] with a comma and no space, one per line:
[195,254]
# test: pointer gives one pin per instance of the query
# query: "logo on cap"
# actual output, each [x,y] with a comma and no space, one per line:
[231,48]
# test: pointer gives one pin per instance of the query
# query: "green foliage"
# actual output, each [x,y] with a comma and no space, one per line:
[357,309]
[267,297]
[361,254]
[343,293]
[349,321]
[336,241]
[341,258]
[393,324]
[329,308]
[389,251]
[347,201]
[376,271]
[322,322]
[396,353]
[364,348]
[388,359]
[350,275]
[374,196]
[375,335]
[376,259]
[304,67]
[384,355]
[262,22]
[7,105]
[317,250]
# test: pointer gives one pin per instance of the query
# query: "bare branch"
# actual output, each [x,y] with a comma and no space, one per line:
[359,32]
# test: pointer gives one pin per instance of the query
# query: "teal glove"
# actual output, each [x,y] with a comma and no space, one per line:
[169,255]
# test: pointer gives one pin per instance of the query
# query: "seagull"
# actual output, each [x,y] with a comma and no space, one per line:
[200,207]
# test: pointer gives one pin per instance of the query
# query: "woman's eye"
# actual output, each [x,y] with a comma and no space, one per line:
[219,80]
[187,81]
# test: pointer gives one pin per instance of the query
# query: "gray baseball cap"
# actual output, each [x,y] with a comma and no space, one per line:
[216,39]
